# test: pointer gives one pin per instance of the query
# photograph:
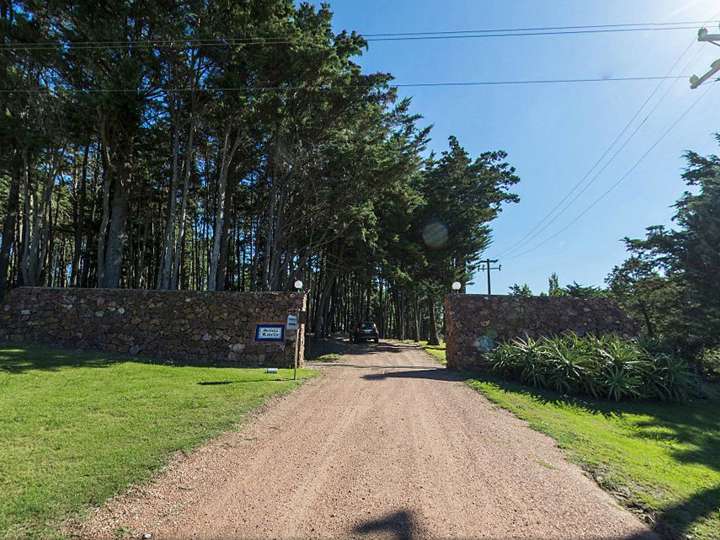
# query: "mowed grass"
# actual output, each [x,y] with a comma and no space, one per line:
[76,428]
[659,457]
[437,351]
[328,358]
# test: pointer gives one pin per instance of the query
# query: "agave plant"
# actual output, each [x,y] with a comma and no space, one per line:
[506,359]
[601,366]
[670,378]
[535,371]
[566,365]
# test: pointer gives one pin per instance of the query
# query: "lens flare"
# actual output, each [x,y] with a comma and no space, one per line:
[435,235]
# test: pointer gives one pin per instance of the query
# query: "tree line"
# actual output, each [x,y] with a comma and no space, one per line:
[574,289]
[670,282]
[229,145]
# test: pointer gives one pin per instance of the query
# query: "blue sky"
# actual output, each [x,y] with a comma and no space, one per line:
[554,133]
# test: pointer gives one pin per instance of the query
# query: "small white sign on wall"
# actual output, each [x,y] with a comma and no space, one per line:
[292,322]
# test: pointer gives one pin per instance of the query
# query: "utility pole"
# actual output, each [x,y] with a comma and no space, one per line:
[487,265]
[705,36]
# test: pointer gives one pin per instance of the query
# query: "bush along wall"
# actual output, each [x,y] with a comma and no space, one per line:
[476,324]
[607,367]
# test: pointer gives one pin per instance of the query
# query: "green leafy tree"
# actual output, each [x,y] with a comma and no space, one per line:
[672,279]
[183,145]
[521,290]
[577,290]
[461,197]
[554,288]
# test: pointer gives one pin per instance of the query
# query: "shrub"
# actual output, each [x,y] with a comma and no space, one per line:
[602,367]
[709,362]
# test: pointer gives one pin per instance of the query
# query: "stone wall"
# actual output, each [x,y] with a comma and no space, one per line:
[476,323]
[192,327]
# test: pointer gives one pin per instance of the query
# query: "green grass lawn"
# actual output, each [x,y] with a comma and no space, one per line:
[663,458]
[330,357]
[660,457]
[76,428]
[438,351]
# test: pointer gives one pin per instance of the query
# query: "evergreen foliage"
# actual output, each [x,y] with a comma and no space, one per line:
[228,146]
[602,367]
[671,281]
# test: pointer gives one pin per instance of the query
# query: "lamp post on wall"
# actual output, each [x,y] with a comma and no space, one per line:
[456,286]
[298,285]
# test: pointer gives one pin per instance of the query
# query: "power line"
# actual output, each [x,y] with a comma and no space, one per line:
[369,86]
[542,28]
[389,36]
[543,224]
[539,227]
[530,34]
[621,179]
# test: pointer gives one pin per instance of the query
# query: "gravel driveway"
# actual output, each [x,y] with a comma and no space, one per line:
[386,444]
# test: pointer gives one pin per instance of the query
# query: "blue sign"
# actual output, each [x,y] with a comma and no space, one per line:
[270,332]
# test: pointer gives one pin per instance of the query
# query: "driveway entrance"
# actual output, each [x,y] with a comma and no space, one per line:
[386,444]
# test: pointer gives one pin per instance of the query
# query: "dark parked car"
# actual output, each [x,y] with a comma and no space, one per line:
[366,331]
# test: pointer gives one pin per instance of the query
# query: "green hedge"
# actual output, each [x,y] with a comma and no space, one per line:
[709,361]
[602,367]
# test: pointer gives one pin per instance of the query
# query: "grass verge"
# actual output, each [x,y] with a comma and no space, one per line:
[438,351]
[328,358]
[77,428]
[662,458]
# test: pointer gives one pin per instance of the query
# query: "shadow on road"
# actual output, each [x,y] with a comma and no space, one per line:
[400,525]
[437,374]
[370,366]
[339,345]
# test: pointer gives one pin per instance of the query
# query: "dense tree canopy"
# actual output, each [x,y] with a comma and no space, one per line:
[671,282]
[228,145]
[574,289]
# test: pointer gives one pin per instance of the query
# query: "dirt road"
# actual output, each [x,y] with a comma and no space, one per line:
[386,444]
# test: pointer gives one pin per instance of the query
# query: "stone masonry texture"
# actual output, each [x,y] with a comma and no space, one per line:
[176,326]
[476,323]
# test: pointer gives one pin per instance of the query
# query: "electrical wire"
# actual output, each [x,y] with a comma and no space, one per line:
[543,224]
[529,34]
[621,179]
[389,36]
[369,86]
[542,28]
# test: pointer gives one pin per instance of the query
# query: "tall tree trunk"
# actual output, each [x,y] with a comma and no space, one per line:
[118,142]
[116,236]
[8,231]
[433,336]
[182,225]
[42,230]
[105,219]
[79,189]
[416,319]
[26,222]
[166,263]
[221,276]
[228,152]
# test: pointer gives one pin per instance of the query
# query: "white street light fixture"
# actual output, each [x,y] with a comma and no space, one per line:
[456,286]
[298,285]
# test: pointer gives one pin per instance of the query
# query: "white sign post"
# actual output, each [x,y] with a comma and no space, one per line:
[292,326]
